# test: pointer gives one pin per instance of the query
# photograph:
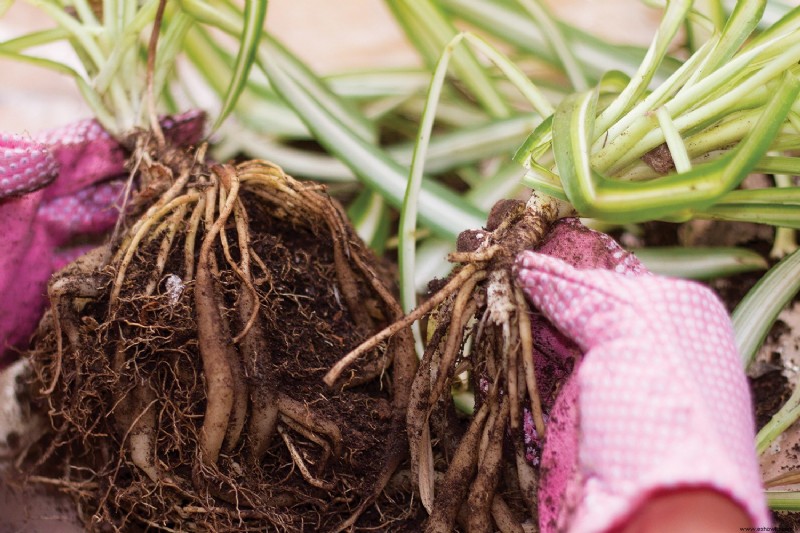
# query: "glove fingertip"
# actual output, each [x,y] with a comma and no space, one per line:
[528,260]
[25,165]
[535,270]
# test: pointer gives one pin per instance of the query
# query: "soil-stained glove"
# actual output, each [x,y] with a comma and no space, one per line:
[659,401]
[55,189]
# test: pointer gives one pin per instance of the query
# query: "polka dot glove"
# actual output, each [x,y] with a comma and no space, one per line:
[54,188]
[659,401]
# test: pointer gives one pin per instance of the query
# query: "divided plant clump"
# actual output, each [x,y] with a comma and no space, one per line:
[482,473]
[200,356]
[182,363]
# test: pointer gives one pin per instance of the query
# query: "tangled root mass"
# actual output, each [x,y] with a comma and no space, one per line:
[479,473]
[182,367]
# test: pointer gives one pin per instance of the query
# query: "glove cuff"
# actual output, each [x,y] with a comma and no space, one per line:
[602,510]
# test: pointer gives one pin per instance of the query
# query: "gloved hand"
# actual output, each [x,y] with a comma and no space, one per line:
[55,188]
[659,401]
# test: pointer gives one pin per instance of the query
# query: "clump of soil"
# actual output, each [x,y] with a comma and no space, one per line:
[182,365]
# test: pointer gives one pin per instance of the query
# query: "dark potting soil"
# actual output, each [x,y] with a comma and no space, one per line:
[308,328]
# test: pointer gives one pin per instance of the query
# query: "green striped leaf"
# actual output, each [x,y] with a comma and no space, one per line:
[255,12]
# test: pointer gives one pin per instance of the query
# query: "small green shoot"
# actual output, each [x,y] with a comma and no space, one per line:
[780,422]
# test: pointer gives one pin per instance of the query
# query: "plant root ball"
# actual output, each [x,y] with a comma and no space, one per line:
[481,472]
[182,366]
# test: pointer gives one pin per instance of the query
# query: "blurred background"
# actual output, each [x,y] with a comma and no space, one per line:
[332,37]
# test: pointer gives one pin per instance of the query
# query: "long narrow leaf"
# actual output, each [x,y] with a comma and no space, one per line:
[255,12]
[295,161]
[123,44]
[468,145]
[675,143]
[379,82]
[670,24]
[505,183]
[370,218]
[169,47]
[755,314]
[408,212]
[780,421]
[700,263]
[430,18]
[783,216]
[595,56]
[542,17]
[231,21]
[655,99]
[715,89]
[740,25]
[528,89]
[37,38]
[439,209]
[101,113]
[420,39]
[787,21]
[783,500]
[779,165]
[263,113]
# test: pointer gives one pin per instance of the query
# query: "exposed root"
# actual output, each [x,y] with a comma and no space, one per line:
[301,465]
[425,308]
[142,433]
[480,256]
[304,416]
[419,436]
[178,369]
[191,239]
[312,436]
[244,272]
[171,230]
[526,341]
[64,314]
[482,491]
[239,388]
[215,347]
[481,325]
[261,382]
[453,488]
[157,211]
[503,517]
[463,309]
[528,481]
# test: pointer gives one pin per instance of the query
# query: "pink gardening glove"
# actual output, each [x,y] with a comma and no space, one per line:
[54,188]
[658,402]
